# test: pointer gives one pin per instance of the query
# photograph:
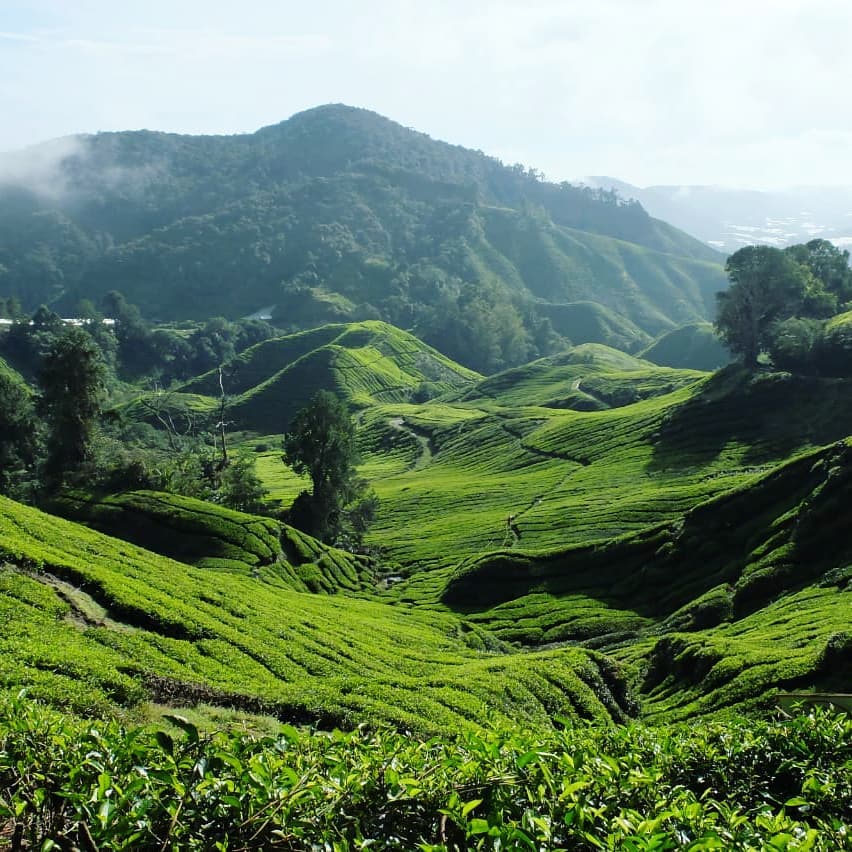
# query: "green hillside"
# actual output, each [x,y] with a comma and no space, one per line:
[694,346]
[92,622]
[364,363]
[221,539]
[586,540]
[707,562]
[583,476]
[338,214]
[589,377]
[753,587]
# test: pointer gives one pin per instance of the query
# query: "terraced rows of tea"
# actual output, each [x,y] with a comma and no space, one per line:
[586,504]
[91,622]
[750,592]
[364,363]
[571,477]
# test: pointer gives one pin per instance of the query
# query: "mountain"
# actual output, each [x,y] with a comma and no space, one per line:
[338,214]
[731,218]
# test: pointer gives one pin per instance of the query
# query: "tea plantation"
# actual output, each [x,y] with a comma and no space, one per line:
[589,579]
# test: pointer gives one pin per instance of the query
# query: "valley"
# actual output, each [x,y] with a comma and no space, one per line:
[551,556]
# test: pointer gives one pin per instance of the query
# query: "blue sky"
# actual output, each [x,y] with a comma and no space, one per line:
[748,93]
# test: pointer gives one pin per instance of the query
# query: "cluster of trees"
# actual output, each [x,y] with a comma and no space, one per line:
[61,433]
[48,437]
[131,347]
[58,436]
[787,304]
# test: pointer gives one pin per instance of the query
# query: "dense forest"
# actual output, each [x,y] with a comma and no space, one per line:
[339,214]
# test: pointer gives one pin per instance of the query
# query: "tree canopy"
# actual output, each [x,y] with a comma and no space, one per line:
[779,300]
[72,381]
[765,285]
[321,444]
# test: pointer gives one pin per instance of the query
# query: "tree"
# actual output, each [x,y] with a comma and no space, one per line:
[766,285]
[72,382]
[240,487]
[830,267]
[17,431]
[321,444]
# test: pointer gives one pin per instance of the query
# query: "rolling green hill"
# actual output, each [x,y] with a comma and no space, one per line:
[582,476]
[364,363]
[589,377]
[694,346]
[92,622]
[220,539]
[665,546]
[751,589]
[340,214]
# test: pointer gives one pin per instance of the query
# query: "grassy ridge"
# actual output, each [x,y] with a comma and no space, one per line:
[179,634]
[364,363]
[590,377]
[559,265]
[217,538]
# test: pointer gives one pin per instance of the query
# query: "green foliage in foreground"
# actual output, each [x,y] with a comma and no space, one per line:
[776,785]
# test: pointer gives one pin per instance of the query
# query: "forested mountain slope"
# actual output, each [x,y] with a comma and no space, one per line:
[338,213]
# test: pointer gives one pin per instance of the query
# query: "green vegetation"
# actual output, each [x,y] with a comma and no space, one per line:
[17,430]
[363,363]
[71,380]
[560,545]
[778,303]
[321,445]
[92,622]
[341,215]
[694,346]
[743,785]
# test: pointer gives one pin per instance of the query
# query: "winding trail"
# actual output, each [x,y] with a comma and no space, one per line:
[425,457]
[513,534]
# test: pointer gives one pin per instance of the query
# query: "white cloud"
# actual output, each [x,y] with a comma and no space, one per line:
[38,168]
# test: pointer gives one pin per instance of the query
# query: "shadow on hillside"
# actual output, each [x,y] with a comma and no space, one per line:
[721,561]
[767,416]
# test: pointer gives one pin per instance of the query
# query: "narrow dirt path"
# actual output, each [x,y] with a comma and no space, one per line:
[85,610]
[512,531]
[425,457]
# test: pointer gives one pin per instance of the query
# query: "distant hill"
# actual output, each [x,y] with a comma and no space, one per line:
[694,346]
[364,363]
[337,214]
[590,377]
[731,218]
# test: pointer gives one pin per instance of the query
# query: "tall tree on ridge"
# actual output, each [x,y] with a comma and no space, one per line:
[72,382]
[766,285]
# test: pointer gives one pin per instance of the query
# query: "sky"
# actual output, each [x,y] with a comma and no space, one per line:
[748,93]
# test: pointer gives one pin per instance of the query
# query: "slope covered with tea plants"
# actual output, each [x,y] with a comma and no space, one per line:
[93,623]
[364,363]
[572,477]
